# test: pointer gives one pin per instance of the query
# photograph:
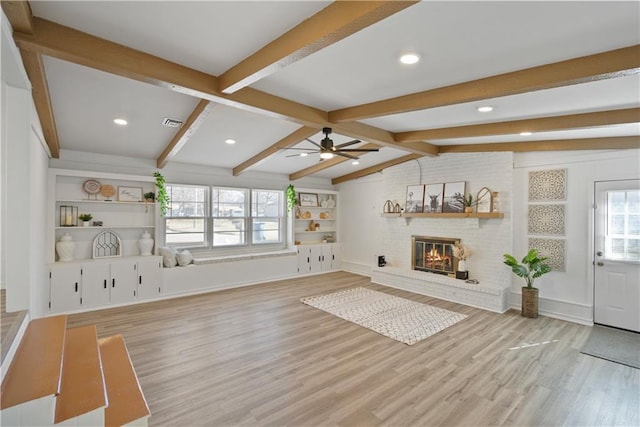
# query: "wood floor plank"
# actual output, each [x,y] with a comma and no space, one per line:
[257,356]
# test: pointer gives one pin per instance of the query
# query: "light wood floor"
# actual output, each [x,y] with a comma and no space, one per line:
[257,356]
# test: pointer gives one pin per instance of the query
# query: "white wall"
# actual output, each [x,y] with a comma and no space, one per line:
[568,294]
[366,234]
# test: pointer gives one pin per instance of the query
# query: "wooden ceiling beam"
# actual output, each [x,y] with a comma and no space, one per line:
[332,24]
[373,169]
[288,141]
[194,121]
[543,124]
[325,164]
[609,143]
[606,65]
[40,93]
[71,45]
[19,14]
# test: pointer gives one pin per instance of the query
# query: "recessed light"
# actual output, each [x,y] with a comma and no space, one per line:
[410,58]
[230,141]
[121,122]
[304,154]
[326,155]
[525,133]
[355,162]
[485,108]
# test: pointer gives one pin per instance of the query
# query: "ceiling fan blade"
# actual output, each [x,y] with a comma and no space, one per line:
[317,145]
[348,156]
[346,144]
[310,150]
[360,150]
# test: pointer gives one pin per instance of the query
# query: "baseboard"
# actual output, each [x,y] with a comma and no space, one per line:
[356,268]
[563,310]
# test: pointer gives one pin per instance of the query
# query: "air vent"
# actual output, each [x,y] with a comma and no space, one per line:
[172,123]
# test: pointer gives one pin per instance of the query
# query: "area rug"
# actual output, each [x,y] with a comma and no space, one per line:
[394,317]
[614,345]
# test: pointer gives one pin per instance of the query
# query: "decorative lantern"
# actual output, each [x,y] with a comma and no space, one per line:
[68,216]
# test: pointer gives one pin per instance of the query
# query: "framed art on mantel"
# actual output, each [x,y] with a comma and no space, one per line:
[415,198]
[433,194]
[452,193]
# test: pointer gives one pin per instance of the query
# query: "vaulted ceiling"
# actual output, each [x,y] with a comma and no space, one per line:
[271,74]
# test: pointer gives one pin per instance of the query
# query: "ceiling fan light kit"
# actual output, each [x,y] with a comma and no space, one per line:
[327,150]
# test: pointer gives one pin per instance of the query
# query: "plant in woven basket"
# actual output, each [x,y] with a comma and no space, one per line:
[532,267]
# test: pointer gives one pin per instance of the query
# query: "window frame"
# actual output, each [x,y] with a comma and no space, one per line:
[249,244]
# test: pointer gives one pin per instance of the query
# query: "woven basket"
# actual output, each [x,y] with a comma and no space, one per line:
[530,302]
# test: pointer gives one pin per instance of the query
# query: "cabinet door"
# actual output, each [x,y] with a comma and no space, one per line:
[336,256]
[149,277]
[315,265]
[95,284]
[303,259]
[123,281]
[65,283]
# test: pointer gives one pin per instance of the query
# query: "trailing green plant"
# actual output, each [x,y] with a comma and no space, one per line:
[85,217]
[161,197]
[292,201]
[532,267]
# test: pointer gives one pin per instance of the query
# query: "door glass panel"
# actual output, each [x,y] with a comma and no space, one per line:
[623,225]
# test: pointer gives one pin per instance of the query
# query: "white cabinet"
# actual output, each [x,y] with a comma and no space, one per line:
[123,281]
[96,283]
[149,277]
[318,258]
[65,287]
[79,285]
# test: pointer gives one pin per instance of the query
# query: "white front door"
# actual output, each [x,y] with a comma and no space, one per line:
[617,254]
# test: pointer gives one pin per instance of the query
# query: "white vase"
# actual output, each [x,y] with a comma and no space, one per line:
[145,243]
[65,247]
[462,265]
[86,223]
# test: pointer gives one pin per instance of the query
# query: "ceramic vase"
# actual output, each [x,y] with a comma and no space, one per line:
[462,265]
[145,243]
[65,247]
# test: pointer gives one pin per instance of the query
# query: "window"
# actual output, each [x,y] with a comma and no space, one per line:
[186,215]
[622,239]
[266,216]
[229,217]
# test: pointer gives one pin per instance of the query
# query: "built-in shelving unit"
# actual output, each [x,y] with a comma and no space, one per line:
[323,214]
[128,219]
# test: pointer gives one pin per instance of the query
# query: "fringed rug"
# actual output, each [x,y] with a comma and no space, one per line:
[394,317]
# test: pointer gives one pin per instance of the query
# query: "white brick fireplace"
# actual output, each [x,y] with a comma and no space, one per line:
[488,239]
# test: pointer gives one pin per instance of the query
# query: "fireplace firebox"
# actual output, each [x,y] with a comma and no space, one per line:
[433,254]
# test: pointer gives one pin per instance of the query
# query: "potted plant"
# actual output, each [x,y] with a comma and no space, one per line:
[85,218]
[161,197]
[532,267]
[292,201]
[150,196]
[466,202]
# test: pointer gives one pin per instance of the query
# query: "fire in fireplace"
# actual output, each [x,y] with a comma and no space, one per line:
[434,254]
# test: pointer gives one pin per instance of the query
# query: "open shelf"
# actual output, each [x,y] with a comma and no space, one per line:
[445,215]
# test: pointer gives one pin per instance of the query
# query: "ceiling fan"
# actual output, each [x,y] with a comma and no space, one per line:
[327,150]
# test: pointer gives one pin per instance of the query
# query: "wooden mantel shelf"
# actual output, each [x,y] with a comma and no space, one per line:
[445,215]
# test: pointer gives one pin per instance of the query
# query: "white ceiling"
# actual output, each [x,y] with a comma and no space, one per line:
[458,42]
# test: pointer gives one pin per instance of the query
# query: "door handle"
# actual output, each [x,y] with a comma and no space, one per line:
[113,283]
[599,253]
[105,283]
[599,263]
